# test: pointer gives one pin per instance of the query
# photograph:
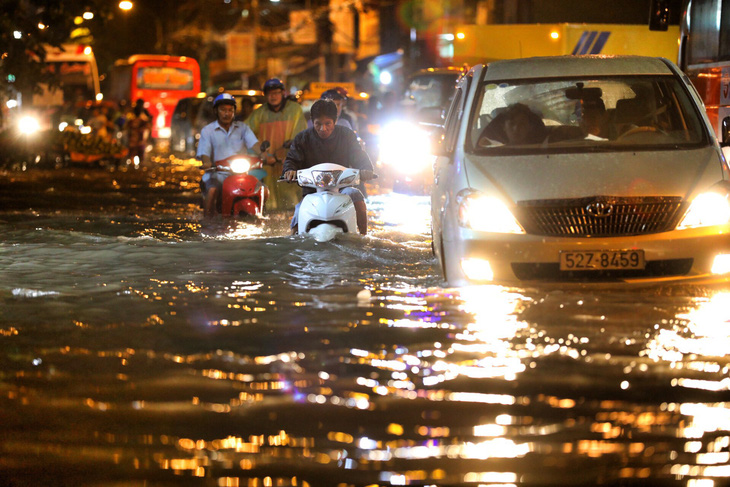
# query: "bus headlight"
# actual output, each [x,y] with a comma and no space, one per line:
[28,125]
[486,214]
[707,209]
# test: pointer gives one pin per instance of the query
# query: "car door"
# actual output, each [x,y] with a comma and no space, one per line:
[444,167]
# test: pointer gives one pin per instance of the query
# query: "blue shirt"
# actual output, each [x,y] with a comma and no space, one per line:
[218,144]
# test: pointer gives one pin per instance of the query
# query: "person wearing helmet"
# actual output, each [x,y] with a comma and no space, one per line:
[344,113]
[328,142]
[339,100]
[277,121]
[220,139]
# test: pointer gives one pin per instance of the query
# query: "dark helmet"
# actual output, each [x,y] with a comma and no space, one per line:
[342,92]
[224,99]
[332,94]
[273,84]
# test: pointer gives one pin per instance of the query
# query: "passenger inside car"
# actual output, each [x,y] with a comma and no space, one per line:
[594,118]
[515,125]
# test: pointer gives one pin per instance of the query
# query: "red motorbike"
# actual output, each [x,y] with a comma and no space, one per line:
[243,193]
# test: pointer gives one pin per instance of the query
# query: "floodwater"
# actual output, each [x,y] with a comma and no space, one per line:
[139,347]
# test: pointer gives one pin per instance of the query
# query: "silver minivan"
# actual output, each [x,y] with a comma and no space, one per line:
[580,168]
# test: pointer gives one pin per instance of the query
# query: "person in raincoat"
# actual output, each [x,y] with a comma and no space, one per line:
[277,121]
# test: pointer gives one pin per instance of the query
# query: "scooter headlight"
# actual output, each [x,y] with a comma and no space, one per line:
[486,214]
[28,125]
[240,165]
[326,179]
[707,209]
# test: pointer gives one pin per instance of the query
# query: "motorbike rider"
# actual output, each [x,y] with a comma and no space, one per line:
[277,121]
[220,139]
[340,100]
[328,142]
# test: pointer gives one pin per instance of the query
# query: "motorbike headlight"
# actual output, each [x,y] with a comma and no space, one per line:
[486,214]
[240,165]
[29,125]
[326,179]
[303,179]
[406,147]
[706,210]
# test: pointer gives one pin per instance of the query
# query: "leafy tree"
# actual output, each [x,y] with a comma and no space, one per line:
[26,26]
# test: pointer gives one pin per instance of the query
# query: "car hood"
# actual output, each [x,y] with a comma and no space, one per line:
[646,173]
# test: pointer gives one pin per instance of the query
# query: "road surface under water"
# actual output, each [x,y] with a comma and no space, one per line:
[141,347]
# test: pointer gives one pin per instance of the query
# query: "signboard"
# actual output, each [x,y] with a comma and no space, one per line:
[302,26]
[343,26]
[240,51]
[316,88]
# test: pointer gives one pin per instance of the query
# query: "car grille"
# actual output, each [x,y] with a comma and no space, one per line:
[551,271]
[599,216]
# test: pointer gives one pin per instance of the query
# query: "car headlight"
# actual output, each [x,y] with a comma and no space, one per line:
[28,125]
[707,209]
[406,147]
[240,165]
[486,213]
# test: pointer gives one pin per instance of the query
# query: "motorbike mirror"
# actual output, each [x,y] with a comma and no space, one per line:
[265,145]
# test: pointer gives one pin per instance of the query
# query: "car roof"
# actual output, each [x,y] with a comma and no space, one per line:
[448,70]
[570,66]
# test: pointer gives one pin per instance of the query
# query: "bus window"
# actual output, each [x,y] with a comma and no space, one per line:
[160,81]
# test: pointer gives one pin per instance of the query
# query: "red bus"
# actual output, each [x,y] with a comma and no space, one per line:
[159,80]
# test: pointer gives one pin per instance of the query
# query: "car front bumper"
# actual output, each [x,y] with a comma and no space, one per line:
[688,254]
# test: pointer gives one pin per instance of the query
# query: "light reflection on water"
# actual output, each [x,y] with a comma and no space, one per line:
[136,349]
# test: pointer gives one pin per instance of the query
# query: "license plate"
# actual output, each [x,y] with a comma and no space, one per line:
[598,260]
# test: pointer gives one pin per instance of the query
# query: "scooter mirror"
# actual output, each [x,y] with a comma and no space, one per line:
[265,145]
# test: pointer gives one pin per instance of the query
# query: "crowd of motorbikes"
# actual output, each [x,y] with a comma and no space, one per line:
[323,214]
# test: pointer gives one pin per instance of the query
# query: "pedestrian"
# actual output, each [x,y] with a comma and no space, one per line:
[136,128]
[277,121]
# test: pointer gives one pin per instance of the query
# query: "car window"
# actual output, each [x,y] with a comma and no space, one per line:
[452,121]
[616,112]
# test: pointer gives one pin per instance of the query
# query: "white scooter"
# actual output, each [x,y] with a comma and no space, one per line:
[327,212]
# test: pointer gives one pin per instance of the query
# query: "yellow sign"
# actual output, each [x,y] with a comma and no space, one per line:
[316,88]
[485,43]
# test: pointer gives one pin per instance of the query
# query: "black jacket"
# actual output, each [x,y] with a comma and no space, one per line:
[342,147]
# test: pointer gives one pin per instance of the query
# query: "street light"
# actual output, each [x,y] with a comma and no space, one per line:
[127,5]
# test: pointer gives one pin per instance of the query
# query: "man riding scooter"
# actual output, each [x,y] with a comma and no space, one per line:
[220,140]
[328,142]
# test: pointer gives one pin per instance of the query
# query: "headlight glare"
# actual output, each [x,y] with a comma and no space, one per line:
[707,209]
[406,147]
[29,125]
[486,214]
[240,165]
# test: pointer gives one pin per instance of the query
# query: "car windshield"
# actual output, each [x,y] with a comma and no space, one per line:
[431,91]
[614,113]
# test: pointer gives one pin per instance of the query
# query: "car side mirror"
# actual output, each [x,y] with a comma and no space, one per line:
[725,132]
